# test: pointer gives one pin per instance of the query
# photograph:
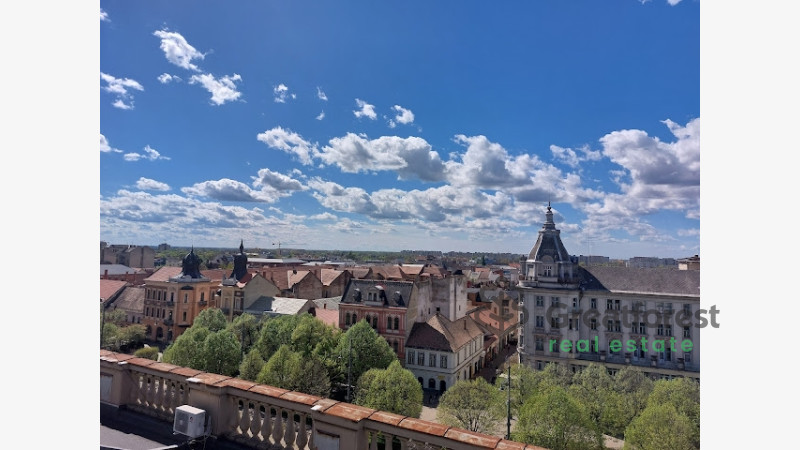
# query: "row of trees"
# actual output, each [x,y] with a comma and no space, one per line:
[300,353]
[558,410]
[117,334]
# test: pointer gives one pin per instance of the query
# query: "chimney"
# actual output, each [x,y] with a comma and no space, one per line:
[105,274]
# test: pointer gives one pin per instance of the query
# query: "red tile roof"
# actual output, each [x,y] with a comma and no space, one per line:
[109,288]
[329,316]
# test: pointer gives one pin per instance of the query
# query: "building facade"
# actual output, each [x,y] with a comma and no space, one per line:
[616,316]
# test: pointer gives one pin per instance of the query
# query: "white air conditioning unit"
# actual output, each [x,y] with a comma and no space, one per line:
[189,421]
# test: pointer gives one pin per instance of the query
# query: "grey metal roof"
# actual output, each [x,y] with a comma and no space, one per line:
[636,280]
[277,305]
[116,269]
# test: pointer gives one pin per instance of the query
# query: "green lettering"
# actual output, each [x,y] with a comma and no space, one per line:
[566,345]
[686,345]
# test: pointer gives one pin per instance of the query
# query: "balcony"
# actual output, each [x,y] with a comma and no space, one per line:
[258,416]
[202,303]
[168,322]
[169,304]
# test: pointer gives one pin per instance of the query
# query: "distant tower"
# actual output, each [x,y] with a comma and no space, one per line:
[239,263]
[549,261]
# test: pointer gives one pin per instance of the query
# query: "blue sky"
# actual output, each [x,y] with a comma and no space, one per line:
[401,125]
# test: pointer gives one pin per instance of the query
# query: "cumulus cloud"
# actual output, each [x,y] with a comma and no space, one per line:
[231,190]
[104,16]
[321,95]
[277,181]
[120,87]
[410,157]
[165,78]
[150,154]
[177,50]
[572,158]
[321,115]
[222,90]
[146,184]
[289,142]
[487,164]
[366,110]
[404,116]
[105,147]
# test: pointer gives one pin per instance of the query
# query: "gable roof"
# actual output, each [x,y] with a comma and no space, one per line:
[110,288]
[328,276]
[644,281]
[131,299]
[439,333]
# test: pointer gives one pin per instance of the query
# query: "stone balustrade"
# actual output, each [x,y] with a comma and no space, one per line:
[261,416]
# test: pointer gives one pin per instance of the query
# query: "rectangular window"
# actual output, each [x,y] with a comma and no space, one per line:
[618,326]
[616,305]
[540,321]
[687,357]
[553,301]
[554,322]
[660,331]
[443,362]
[421,359]
[642,328]
[185,298]
[687,332]
[539,300]
[570,324]
[411,357]
[687,308]
[669,330]
[575,302]
[609,304]
[432,360]
[539,344]
[594,303]
[610,325]
[593,324]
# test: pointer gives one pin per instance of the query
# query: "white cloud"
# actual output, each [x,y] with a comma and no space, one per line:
[146,184]
[222,90]
[366,110]
[410,157]
[105,147]
[120,88]
[673,2]
[326,216]
[281,92]
[571,158]
[150,154]
[277,181]
[104,16]
[404,116]
[165,78]
[487,164]
[321,95]
[321,115]
[230,190]
[289,142]
[177,50]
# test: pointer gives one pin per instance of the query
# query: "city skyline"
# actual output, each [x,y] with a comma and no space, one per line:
[389,127]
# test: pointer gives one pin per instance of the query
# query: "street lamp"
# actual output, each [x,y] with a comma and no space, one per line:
[508,406]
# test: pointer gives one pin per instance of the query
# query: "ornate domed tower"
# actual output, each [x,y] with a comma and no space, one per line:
[191,267]
[549,262]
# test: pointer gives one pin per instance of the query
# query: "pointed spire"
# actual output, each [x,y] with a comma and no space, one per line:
[241,246]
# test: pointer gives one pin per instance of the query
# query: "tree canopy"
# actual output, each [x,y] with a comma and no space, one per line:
[393,389]
[474,405]
[557,421]
[363,349]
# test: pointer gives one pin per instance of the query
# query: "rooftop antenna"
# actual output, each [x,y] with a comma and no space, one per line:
[279,247]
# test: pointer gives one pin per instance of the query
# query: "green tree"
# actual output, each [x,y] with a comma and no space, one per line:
[363,349]
[221,353]
[474,405]
[557,421]
[211,318]
[309,332]
[147,352]
[591,387]
[393,389]
[309,375]
[660,426]
[278,371]
[246,329]
[251,365]
[276,331]
[186,350]
[684,395]
[635,385]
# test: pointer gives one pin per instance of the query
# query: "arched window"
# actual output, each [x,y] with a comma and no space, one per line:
[375,322]
[202,296]
[431,383]
[347,319]
[396,323]
[420,380]
[442,386]
[388,323]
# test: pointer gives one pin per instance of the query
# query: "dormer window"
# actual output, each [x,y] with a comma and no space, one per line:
[547,271]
